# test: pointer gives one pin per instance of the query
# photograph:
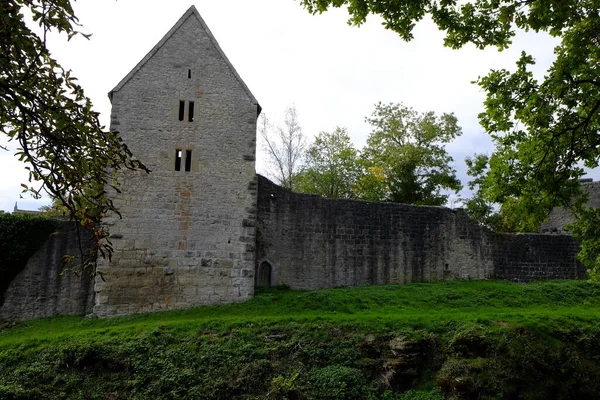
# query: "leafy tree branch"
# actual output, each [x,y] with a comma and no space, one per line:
[68,154]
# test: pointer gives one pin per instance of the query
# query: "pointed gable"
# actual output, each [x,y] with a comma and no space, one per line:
[192,12]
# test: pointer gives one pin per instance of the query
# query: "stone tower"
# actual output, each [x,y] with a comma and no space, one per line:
[187,231]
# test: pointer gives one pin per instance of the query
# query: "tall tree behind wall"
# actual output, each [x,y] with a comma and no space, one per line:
[332,169]
[405,160]
[284,147]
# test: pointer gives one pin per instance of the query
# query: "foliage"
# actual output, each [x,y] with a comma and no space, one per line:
[533,168]
[546,132]
[372,184]
[505,340]
[477,207]
[587,228]
[405,160]
[331,169]
[18,393]
[54,210]
[338,382]
[505,217]
[551,363]
[67,152]
[483,22]
[284,146]
[433,394]
[21,235]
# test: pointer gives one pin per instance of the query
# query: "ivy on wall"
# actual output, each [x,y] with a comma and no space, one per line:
[21,235]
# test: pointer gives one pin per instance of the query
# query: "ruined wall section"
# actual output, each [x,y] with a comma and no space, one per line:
[531,257]
[186,238]
[44,288]
[311,242]
[559,217]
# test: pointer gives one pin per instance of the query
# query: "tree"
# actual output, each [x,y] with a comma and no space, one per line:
[545,131]
[67,152]
[481,22]
[505,217]
[331,168]
[405,160]
[284,146]
[477,207]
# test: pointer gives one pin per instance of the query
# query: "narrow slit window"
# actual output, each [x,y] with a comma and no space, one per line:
[178,155]
[189,74]
[181,109]
[188,160]
[191,112]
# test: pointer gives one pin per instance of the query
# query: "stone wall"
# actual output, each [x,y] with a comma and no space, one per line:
[304,241]
[41,289]
[310,242]
[186,238]
[531,257]
[559,217]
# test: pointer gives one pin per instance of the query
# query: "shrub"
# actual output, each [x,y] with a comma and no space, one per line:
[337,382]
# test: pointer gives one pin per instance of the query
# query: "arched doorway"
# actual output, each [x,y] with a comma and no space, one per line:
[263,278]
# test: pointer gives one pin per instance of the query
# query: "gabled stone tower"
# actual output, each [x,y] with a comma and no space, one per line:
[187,231]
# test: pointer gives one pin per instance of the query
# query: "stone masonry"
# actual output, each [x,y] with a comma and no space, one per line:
[186,238]
[559,217]
[44,288]
[309,242]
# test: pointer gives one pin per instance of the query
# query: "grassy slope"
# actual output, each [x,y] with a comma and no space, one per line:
[368,342]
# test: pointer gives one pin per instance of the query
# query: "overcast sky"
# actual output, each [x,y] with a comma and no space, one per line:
[333,73]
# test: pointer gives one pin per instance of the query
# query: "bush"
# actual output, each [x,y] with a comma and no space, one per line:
[337,382]
[17,393]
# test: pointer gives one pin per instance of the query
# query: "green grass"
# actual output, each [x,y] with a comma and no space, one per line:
[497,339]
[425,305]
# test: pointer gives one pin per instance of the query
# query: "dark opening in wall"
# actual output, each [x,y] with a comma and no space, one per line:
[263,277]
[189,74]
[191,112]
[188,160]
[181,109]
[178,155]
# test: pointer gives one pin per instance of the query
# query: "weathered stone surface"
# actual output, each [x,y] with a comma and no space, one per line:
[181,230]
[531,257]
[44,288]
[307,241]
[311,242]
[559,217]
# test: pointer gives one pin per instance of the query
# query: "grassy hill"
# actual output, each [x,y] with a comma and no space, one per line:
[420,341]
